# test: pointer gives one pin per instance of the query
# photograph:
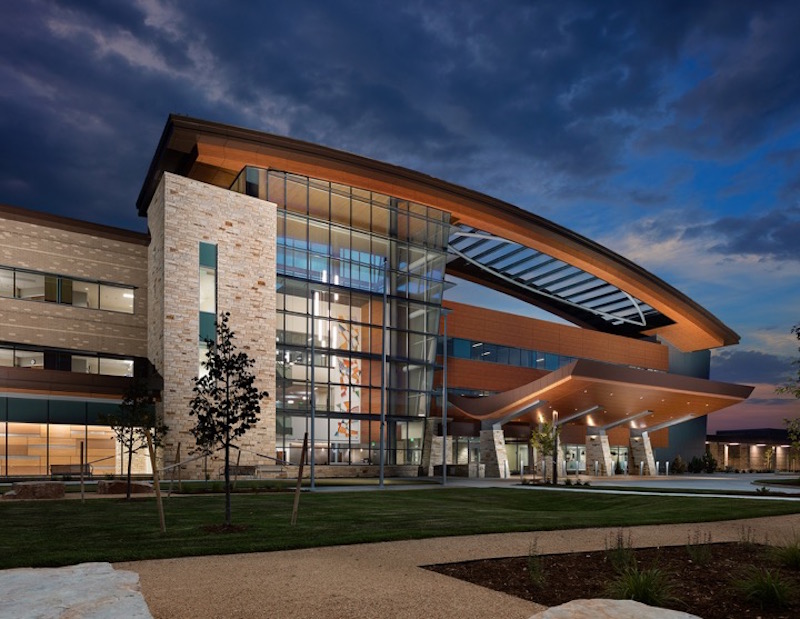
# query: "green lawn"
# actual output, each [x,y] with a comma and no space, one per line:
[51,533]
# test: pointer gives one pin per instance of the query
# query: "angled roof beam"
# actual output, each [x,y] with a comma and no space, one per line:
[619,422]
[667,424]
[519,412]
[577,415]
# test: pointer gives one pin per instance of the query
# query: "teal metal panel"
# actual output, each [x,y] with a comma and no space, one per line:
[96,411]
[208,255]
[25,410]
[207,326]
[67,411]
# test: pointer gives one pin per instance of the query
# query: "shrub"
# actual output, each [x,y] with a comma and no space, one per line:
[747,538]
[649,586]
[709,462]
[698,548]
[788,554]
[535,569]
[764,587]
[619,552]
[695,465]
[678,466]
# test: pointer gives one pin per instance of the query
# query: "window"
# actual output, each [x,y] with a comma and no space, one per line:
[116,299]
[208,291]
[84,294]
[33,286]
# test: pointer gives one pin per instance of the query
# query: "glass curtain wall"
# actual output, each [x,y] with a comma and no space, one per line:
[36,433]
[341,251]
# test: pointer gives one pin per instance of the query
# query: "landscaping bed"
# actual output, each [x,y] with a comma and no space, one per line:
[702,578]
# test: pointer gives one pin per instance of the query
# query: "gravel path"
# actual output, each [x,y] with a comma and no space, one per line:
[366,581]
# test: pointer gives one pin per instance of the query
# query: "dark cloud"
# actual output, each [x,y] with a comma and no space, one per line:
[750,367]
[517,98]
[774,234]
[771,235]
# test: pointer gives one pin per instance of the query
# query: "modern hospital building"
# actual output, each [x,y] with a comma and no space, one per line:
[336,269]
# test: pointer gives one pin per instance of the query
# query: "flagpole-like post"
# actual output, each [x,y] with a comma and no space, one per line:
[381,446]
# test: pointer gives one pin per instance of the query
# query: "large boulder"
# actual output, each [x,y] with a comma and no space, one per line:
[119,486]
[85,591]
[610,609]
[36,490]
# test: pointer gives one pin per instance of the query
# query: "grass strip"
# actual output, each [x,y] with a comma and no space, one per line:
[53,533]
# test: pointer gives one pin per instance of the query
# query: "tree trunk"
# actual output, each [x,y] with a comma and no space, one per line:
[130,460]
[227,453]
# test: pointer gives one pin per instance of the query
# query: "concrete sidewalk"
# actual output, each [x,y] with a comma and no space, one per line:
[367,581]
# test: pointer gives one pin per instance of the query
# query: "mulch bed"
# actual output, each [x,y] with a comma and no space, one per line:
[223,528]
[703,589]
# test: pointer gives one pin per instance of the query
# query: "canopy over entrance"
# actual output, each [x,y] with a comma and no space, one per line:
[616,395]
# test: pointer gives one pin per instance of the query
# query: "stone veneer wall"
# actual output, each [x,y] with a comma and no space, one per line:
[432,448]
[89,255]
[182,214]
[598,450]
[493,453]
[641,451]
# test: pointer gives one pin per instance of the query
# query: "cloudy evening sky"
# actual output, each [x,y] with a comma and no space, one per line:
[667,131]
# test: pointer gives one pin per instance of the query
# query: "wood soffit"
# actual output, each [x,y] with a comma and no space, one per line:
[215,153]
[619,391]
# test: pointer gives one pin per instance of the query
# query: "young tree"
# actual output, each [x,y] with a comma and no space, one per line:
[793,429]
[792,386]
[136,412]
[543,440]
[226,401]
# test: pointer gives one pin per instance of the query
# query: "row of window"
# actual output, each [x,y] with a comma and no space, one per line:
[342,440]
[37,286]
[509,355]
[45,359]
[302,298]
[352,207]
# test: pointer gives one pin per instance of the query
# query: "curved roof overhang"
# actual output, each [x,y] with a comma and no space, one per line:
[215,153]
[613,393]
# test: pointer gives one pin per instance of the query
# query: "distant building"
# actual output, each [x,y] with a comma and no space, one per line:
[765,449]
[333,269]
